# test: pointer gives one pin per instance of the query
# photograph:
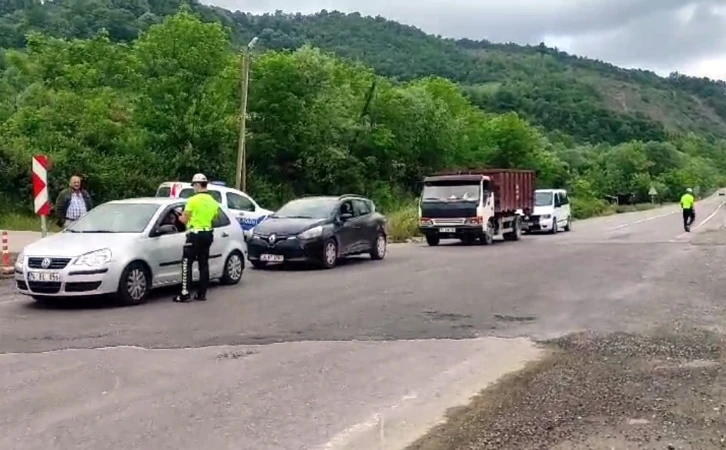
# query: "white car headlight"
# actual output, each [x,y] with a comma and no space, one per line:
[20,262]
[311,233]
[95,258]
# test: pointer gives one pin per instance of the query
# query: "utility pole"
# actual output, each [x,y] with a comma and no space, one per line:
[241,175]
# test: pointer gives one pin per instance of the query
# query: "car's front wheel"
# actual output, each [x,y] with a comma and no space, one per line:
[134,285]
[330,254]
[379,247]
[233,268]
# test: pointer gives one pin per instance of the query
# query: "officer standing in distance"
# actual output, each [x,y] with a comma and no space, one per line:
[199,214]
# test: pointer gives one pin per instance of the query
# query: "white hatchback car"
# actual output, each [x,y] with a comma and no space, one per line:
[125,248]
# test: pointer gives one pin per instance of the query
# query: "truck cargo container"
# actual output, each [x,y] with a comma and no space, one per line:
[476,205]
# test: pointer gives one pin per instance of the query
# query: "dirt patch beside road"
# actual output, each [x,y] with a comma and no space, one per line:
[665,391]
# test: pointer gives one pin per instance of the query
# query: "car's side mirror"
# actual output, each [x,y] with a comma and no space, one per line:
[346,216]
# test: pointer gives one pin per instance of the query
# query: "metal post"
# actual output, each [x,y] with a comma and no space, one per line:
[241,175]
[44,226]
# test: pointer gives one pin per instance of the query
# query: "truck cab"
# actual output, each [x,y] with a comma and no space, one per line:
[552,211]
[475,206]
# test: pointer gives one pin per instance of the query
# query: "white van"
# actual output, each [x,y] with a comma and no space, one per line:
[248,213]
[552,211]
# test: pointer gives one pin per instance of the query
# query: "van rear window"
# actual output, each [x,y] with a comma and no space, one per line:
[164,191]
[188,192]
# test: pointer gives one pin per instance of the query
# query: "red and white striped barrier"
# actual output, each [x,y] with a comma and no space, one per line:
[7,267]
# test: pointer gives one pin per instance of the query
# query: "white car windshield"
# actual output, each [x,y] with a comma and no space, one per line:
[543,199]
[308,208]
[115,218]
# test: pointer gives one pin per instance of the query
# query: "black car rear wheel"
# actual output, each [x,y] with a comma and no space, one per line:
[379,247]
[330,254]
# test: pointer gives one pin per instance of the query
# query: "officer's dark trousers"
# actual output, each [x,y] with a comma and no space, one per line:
[689,216]
[196,248]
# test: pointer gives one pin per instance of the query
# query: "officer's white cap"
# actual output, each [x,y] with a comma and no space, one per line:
[199,178]
[687,190]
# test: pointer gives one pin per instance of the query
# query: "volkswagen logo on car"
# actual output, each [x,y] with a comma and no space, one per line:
[45,263]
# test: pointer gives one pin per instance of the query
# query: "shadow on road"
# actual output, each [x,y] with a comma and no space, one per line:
[310,267]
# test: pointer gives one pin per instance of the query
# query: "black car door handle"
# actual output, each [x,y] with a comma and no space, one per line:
[225,234]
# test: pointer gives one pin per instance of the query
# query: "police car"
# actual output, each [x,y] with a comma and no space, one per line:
[247,212]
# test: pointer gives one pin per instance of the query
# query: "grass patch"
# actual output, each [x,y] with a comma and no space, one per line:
[403,223]
[23,222]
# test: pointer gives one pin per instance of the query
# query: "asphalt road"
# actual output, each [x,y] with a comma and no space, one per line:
[370,353]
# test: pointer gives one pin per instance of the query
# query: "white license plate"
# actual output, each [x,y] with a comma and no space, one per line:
[447,230]
[272,258]
[44,276]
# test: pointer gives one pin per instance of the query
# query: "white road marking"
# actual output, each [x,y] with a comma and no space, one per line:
[710,216]
[647,219]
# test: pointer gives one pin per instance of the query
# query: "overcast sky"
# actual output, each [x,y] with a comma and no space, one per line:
[660,35]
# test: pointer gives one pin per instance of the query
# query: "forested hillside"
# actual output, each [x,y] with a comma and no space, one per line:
[363,105]
[585,99]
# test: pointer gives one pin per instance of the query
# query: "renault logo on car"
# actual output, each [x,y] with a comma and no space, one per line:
[45,263]
[272,239]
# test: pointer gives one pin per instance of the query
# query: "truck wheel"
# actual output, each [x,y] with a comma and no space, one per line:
[433,241]
[488,237]
[515,234]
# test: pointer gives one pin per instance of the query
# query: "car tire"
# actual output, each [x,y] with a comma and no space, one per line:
[234,267]
[554,229]
[257,264]
[330,254]
[433,241]
[134,285]
[380,246]
[568,227]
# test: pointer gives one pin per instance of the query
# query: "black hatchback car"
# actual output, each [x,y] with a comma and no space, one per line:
[320,230]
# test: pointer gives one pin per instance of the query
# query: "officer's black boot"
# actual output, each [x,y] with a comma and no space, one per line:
[200,297]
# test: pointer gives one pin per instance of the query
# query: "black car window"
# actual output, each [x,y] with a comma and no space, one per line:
[361,207]
[346,207]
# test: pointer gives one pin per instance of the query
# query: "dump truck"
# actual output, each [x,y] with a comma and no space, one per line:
[476,205]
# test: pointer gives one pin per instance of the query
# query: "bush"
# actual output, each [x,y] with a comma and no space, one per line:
[403,224]
[584,207]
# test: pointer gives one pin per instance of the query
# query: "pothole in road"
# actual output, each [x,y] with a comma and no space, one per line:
[437,315]
[238,354]
[507,318]
[666,390]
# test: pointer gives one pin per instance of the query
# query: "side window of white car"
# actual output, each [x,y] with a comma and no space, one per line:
[238,202]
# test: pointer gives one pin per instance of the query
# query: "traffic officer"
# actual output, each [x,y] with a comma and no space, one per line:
[687,204]
[199,214]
